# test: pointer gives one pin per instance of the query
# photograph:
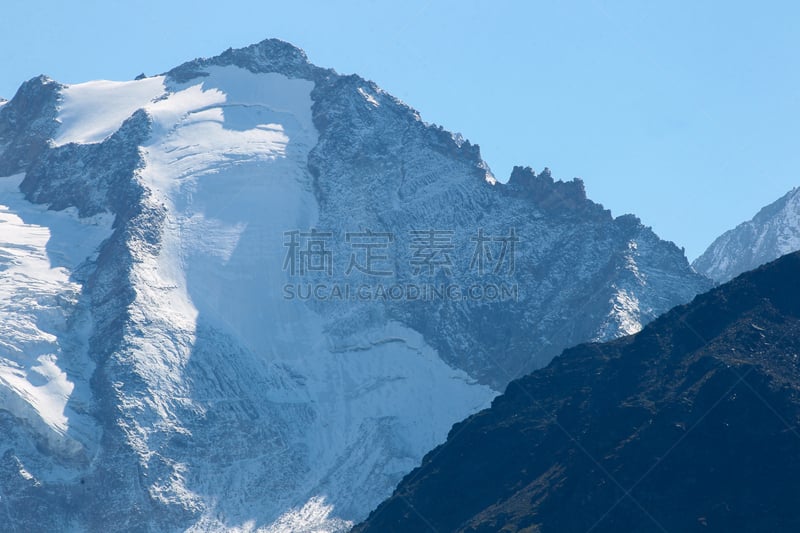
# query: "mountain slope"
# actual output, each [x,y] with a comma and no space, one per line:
[773,232]
[690,424]
[224,385]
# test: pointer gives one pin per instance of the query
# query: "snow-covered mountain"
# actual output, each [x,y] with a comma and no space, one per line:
[251,294]
[772,233]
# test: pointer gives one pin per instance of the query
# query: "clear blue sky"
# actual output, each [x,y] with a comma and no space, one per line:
[686,113]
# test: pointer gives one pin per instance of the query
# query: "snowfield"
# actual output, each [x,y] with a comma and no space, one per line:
[89,112]
[44,366]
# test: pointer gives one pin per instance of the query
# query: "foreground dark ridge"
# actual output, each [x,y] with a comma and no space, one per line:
[689,425]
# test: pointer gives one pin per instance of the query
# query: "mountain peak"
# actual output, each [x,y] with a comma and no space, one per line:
[771,233]
[34,88]
[26,122]
[269,55]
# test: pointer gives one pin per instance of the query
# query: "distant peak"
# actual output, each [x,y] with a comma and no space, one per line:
[768,212]
[270,55]
[774,231]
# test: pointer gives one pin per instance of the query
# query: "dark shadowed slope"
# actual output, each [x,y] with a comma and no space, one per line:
[689,425]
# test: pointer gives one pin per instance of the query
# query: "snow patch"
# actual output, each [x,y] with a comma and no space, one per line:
[368,97]
[90,112]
